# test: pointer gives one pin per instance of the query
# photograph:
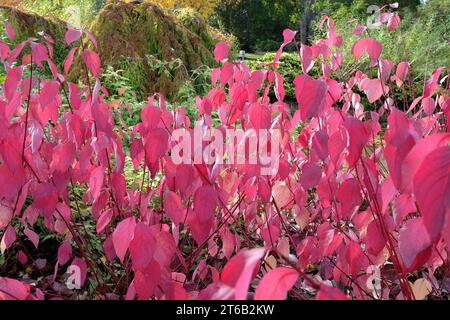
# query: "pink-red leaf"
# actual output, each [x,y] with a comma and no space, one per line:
[221,51]
[92,61]
[142,247]
[72,35]
[310,94]
[96,182]
[393,22]
[432,190]
[11,289]
[205,202]
[374,89]
[239,271]
[104,220]
[146,281]
[123,235]
[64,252]
[413,240]
[371,46]
[401,73]
[276,284]
[69,60]
[9,236]
[307,58]
[13,78]
[9,30]
[174,207]
[327,292]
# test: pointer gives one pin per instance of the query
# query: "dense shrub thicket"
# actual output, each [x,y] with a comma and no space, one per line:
[358,208]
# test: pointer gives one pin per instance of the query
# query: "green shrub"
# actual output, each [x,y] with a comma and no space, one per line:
[267,45]
[289,67]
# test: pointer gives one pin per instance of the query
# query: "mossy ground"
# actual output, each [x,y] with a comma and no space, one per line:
[153,48]
[27,24]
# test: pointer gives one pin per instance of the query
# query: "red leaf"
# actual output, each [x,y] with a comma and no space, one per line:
[175,291]
[12,82]
[373,88]
[226,74]
[69,60]
[92,38]
[151,117]
[37,133]
[9,236]
[371,46]
[174,207]
[238,272]
[358,138]
[228,243]
[63,156]
[96,182]
[123,235]
[329,293]
[413,240]
[402,206]
[349,195]
[45,198]
[354,257]
[6,215]
[279,87]
[40,53]
[104,220]
[432,84]
[311,175]
[32,236]
[16,51]
[72,35]
[288,36]
[432,190]
[205,202]
[142,247]
[146,281]
[48,93]
[374,240]
[415,157]
[310,94]
[260,116]
[385,69]
[11,289]
[156,144]
[92,61]
[276,284]
[307,59]
[401,73]
[393,22]
[320,144]
[221,51]
[9,30]
[64,252]
[4,50]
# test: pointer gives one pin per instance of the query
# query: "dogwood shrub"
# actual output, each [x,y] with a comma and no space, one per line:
[358,207]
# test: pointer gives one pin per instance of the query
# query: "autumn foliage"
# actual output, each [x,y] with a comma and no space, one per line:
[360,192]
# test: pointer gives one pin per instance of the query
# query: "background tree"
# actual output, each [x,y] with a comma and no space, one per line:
[308,14]
[253,21]
[259,23]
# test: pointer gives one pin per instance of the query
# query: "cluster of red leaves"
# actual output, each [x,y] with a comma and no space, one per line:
[350,193]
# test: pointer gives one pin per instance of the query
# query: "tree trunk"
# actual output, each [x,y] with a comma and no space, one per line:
[306,19]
